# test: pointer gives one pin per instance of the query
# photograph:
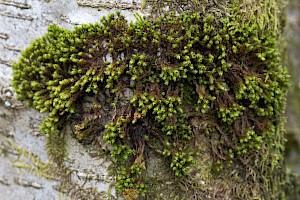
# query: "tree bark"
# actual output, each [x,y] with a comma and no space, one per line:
[58,166]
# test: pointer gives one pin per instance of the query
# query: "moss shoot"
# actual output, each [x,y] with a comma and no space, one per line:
[192,79]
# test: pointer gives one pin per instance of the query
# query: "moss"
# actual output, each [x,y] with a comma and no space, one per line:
[191,76]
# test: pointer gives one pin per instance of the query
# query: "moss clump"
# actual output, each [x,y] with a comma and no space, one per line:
[189,76]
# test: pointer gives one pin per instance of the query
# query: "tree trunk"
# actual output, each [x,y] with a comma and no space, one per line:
[69,166]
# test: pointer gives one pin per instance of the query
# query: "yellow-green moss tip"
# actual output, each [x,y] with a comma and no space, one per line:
[189,75]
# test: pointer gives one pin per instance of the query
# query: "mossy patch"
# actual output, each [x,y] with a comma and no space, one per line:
[168,82]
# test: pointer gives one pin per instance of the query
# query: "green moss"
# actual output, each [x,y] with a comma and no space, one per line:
[191,76]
